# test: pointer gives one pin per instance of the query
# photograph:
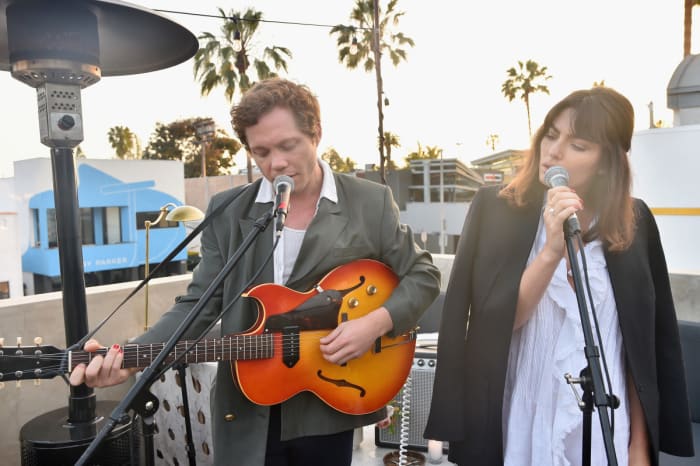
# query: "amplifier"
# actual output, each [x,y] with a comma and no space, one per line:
[413,399]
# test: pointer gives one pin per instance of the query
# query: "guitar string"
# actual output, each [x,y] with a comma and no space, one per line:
[212,345]
[132,358]
[287,341]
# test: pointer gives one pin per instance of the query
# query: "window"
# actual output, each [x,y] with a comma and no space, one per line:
[107,220]
[112,225]
[415,195]
[51,227]
[4,290]
[37,230]
[87,226]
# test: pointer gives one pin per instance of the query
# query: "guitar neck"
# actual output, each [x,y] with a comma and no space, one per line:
[228,348]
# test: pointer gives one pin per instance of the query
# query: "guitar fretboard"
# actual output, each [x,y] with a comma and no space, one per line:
[229,348]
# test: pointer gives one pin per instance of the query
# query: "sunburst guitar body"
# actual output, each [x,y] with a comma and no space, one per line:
[296,321]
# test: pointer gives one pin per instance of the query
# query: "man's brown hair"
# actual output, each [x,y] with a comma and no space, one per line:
[273,93]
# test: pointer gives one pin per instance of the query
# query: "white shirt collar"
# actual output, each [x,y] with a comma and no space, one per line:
[266,193]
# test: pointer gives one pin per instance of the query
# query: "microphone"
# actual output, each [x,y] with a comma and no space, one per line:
[284,185]
[558,176]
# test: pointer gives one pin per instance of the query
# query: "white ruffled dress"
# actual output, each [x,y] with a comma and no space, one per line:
[542,423]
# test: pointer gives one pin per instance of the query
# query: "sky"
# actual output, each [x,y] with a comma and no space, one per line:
[447,94]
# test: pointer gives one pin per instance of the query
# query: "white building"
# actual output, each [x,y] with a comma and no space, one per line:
[666,165]
[11,272]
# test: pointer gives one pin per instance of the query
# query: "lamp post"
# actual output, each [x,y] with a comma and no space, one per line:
[183,213]
[205,130]
[60,48]
[442,207]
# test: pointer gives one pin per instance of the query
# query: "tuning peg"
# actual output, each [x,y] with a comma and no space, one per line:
[38,341]
[19,341]
[18,384]
[37,382]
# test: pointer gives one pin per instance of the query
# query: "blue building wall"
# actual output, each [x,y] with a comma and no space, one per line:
[97,190]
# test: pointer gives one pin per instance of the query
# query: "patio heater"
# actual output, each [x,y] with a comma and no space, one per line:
[59,48]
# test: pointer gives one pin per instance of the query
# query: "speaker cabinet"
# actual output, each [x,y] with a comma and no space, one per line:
[413,399]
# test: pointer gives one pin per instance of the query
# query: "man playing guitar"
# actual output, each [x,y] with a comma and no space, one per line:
[333,219]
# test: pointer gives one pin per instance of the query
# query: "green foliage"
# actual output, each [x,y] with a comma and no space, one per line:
[391,140]
[524,81]
[337,163]
[124,142]
[178,141]
[424,153]
[217,63]
[492,140]
[391,43]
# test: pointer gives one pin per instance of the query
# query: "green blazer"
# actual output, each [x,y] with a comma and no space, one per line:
[363,224]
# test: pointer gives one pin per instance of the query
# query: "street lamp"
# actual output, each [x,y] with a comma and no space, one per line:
[183,213]
[442,207]
[205,130]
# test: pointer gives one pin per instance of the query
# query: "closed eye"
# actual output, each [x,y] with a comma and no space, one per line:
[551,133]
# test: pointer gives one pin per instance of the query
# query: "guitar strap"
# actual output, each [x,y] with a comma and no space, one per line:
[202,225]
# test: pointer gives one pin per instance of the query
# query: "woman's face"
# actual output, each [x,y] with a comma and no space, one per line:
[580,157]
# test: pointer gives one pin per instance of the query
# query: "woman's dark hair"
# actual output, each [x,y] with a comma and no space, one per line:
[604,116]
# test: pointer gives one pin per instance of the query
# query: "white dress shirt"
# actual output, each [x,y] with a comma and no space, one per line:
[290,241]
[542,423]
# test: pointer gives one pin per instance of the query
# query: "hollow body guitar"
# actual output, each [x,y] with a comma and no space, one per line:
[279,356]
[297,321]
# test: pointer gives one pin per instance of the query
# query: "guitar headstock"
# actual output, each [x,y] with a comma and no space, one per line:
[36,362]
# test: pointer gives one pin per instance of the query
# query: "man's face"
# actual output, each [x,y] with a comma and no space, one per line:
[278,147]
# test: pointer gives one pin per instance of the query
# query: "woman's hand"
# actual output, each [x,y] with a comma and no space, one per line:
[562,203]
[101,371]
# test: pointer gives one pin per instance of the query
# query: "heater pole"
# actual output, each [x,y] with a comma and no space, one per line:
[81,406]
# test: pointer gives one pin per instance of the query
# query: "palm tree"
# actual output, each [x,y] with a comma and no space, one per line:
[390,140]
[361,32]
[524,81]
[124,142]
[688,25]
[363,43]
[336,161]
[492,140]
[424,153]
[225,60]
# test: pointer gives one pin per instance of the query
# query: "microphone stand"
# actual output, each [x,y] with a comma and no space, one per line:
[146,402]
[191,455]
[591,377]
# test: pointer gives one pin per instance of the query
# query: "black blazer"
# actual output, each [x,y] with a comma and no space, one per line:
[477,325]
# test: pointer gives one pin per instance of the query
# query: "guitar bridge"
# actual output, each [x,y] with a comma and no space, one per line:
[290,345]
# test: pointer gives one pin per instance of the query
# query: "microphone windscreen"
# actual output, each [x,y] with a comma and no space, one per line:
[283,179]
[556,176]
